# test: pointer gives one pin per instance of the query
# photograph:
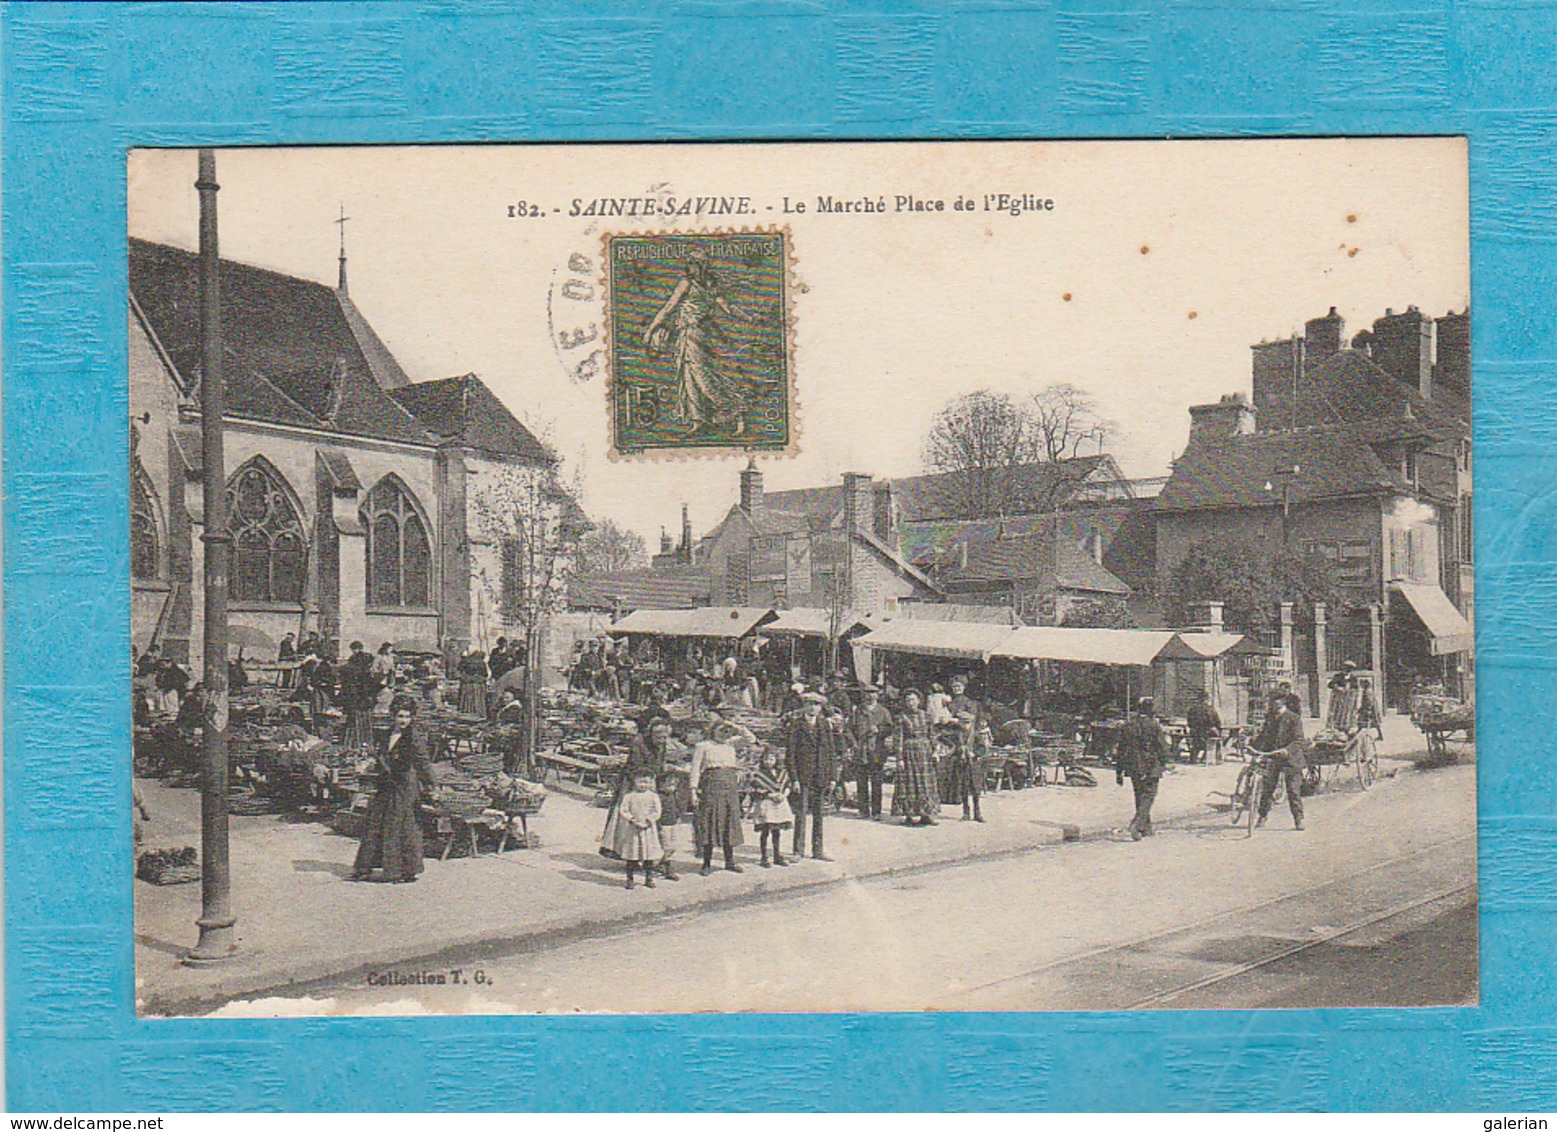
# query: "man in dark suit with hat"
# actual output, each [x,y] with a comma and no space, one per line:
[1142,749]
[869,727]
[812,746]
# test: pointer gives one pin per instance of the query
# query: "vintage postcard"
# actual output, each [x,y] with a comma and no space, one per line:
[949,576]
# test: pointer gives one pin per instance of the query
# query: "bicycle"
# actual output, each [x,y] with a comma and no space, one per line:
[1246,791]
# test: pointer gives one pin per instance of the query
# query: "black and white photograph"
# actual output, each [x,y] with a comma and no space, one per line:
[802,577]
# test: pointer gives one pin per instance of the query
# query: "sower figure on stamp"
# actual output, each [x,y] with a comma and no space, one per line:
[688,325]
[1142,748]
[813,764]
[1282,739]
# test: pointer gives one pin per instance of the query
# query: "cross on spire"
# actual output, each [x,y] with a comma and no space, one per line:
[341,285]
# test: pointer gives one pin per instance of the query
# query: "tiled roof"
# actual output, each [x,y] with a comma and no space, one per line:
[816,506]
[463,409]
[1028,557]
[1333,463]
[642,589]
[1349,387]
[928,498]
[292,354]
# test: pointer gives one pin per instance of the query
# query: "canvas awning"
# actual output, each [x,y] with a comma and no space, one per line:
[812,623]
[712,621]
[961,640]
[1446,626]
[1086,646]
[1206,646]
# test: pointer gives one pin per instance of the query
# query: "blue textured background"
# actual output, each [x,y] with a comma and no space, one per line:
[84,83]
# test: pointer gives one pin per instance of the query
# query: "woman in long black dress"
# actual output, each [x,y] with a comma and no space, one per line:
[391,837]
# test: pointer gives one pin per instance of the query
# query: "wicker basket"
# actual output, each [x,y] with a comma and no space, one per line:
[158,871]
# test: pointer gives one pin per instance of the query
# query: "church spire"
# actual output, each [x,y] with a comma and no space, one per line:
[341,284]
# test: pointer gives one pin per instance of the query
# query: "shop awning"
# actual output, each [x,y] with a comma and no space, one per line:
[957,639]
[712,621]
[813,623]
[1086,646]
[1206,646]
[1446,625]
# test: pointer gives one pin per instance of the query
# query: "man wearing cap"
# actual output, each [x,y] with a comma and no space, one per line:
[868,730]
[1205,730]
[1282,739]
[1142,748]
[811,744]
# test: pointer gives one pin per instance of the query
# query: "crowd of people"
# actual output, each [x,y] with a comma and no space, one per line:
[829,752]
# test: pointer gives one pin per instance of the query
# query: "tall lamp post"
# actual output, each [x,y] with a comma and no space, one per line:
[218,940]
[1286,475]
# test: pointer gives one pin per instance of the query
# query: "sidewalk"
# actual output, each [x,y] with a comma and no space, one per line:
[300,921]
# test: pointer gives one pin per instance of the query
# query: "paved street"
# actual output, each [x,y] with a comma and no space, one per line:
[1372,905]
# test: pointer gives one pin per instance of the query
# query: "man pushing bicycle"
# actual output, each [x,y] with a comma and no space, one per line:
[1281,743]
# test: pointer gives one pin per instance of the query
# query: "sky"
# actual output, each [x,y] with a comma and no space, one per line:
[1157,267]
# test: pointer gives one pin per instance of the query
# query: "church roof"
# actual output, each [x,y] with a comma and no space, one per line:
[296,351]
[463,409]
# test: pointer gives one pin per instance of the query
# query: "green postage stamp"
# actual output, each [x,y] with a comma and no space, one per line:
[700,357]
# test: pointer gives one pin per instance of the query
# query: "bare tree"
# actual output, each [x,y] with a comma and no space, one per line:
[536,525]
[608,548]
[981,442]
[1064,419]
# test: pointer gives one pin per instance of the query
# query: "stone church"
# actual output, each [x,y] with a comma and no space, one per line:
[351,488]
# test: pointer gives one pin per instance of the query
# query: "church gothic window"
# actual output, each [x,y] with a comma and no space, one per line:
[399,552]
[269,559]
[144,542]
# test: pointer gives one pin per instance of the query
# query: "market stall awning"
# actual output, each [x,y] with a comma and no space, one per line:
[1206,646]
[813,623]
[1446,625]
[711,621]
[1086,646]
[958,639]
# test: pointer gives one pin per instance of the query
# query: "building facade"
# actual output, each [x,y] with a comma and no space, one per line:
[1359,454]
[350,488]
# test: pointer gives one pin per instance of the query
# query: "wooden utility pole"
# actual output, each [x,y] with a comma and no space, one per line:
[218,940]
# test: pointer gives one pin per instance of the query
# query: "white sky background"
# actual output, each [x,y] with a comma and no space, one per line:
[901,312]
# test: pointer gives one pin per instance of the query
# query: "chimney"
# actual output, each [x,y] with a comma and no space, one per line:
[886,514]
[1206,615]
[858,502]
[685,550]
[1403,347]
[1231,416]
[751,488]
[1276,365]
[1324,335]
[1452,370]
[665,544]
